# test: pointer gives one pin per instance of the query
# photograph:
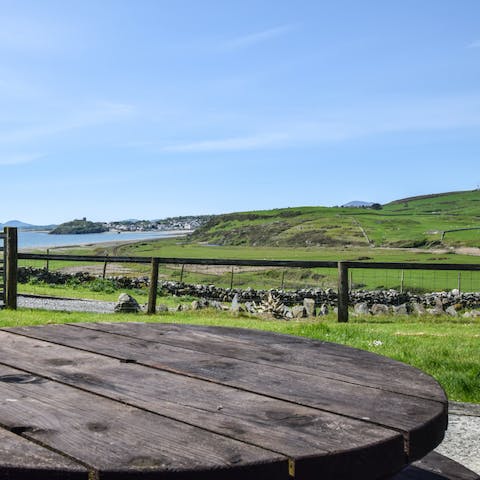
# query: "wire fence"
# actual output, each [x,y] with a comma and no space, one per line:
[262,277]
[415,281]
[224,276]
[258,274]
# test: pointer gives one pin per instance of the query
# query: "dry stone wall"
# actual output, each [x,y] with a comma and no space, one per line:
[363,301]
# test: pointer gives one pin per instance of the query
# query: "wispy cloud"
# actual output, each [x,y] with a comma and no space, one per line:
[19,158]
[251,39]
[475,44]
[98,114]
[253,142]
[347,124]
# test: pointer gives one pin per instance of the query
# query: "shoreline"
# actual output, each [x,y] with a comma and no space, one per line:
[166,234]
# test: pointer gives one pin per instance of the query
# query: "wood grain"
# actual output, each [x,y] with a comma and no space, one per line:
[297,354]
[436,467]
[109,436]
[22,459]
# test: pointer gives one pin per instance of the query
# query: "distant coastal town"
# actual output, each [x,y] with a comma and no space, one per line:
[83,225]
[172,223]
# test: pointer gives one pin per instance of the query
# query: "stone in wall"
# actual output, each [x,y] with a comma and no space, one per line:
[380,309]
[126,304]
[309,305]
[361,308]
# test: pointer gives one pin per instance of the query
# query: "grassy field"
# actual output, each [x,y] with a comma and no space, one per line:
[414,280]
[446,348]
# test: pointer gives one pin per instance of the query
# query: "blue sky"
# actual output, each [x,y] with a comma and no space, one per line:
[147,109]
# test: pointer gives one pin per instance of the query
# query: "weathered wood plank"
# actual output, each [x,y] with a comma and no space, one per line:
[21,459]
[315,439]
[293,353]
[422,421]
[112,437]
[436,467]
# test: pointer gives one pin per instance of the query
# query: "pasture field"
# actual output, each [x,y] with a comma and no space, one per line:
[446,348]
[292,278]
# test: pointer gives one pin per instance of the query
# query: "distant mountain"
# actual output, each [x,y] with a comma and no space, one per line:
[25,226]
[358,204]
[17,224]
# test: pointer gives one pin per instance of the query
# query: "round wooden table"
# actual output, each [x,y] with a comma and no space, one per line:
[163,401]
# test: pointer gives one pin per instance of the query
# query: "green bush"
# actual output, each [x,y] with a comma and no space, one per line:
[73,282]
[102,285]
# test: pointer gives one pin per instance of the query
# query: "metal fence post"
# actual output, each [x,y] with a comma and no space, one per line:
[11,266]
[342,305]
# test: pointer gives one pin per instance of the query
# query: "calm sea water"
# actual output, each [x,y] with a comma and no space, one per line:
[43,239]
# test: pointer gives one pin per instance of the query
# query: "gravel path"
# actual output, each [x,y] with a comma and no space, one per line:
[462,440]
[65,304]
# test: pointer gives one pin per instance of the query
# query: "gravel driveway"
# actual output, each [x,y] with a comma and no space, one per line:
[65,304]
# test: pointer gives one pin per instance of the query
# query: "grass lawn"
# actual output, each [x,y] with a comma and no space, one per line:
[446,348]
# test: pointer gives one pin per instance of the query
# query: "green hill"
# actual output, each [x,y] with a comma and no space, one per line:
[423,221]
[79,227]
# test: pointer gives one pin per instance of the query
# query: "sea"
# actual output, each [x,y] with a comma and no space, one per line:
[28,239]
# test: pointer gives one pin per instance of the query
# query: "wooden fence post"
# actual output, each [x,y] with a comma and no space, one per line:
[104,273]
[152,292]
[342,305]
[11,268]
[181,272]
